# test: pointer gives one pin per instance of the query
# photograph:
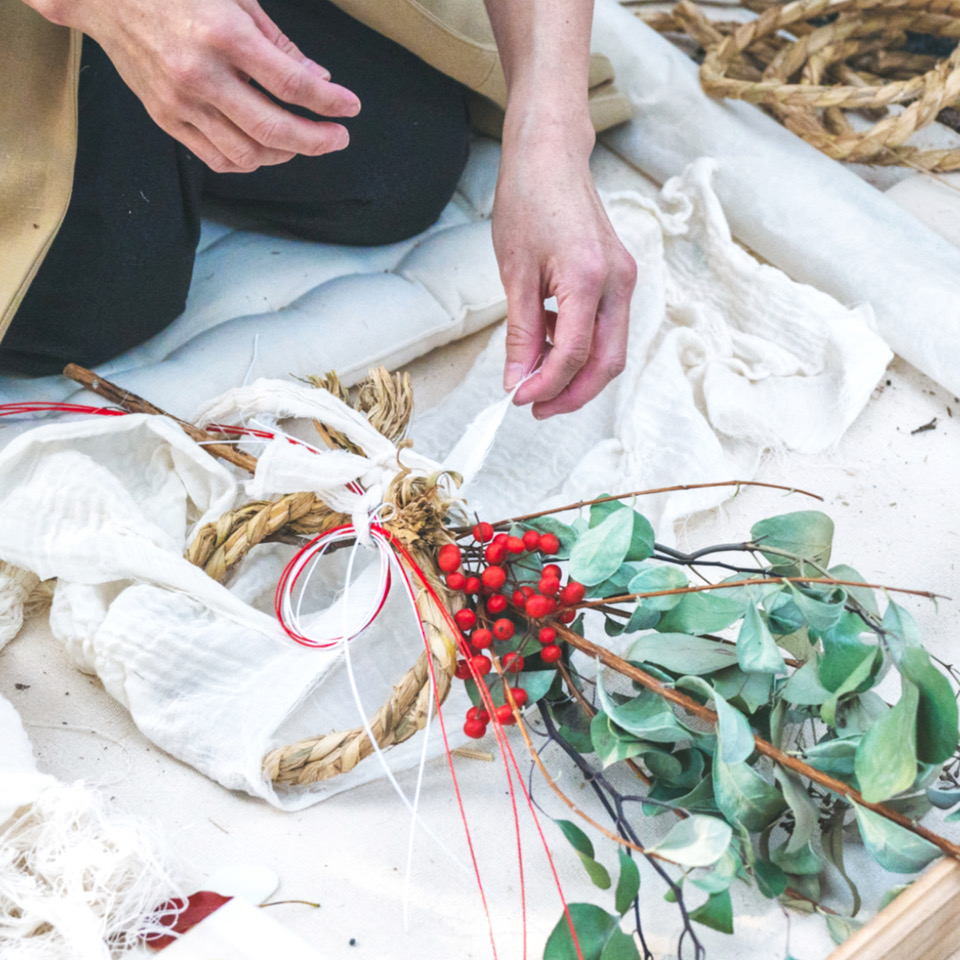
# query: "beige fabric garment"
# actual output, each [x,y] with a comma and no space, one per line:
[39,69]
[39,64]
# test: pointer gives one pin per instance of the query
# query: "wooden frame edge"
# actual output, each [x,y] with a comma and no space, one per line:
[923,923]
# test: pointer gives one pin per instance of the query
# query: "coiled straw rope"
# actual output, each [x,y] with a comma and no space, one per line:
[811,61]
[417,521]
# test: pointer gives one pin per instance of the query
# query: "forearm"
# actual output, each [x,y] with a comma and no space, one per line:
[545,50]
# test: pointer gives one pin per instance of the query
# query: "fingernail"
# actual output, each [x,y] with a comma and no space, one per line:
[512,375]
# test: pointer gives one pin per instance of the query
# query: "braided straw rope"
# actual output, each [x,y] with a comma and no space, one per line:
[856,43]
[420,507]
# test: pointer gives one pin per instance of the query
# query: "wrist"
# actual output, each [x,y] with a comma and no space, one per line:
[560,124]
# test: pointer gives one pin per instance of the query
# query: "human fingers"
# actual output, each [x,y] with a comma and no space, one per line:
[571,347]
[608,356]
[224,147]
[266,55]
[526,330]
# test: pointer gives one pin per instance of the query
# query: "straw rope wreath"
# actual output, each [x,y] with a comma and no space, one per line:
[809,61]
[420,506]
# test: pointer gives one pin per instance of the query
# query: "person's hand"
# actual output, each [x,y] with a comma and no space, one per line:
[552,238]
[190,63]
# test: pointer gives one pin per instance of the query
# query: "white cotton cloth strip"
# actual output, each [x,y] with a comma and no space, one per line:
[800,210]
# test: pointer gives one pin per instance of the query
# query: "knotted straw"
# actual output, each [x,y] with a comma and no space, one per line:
[417,521]
[785,59]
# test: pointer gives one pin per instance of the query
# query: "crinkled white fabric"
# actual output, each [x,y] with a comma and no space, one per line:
[799,210]
[16,585]
[727,357]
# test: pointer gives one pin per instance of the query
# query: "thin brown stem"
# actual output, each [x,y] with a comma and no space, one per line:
[134,404]
[644,493]
[754,581]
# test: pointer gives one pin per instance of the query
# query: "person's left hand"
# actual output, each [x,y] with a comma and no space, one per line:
[552,237]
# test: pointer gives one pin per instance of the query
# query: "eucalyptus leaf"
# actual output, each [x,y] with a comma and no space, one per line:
[757,651]
[841,656]
[716,913]
[863,595]
[596,929]
[574,725]
[804,686]
[536,683]
[833,851]
[771,880]
[840,928]
[901,630]
[943,799]
[733,730]
[802,862]
[697,841]
[612,744]
[744,797]
[599,551]
[628,885]
[642,618]
[646,716]
[857,715]
[937,718]
[704,612]
[859,678]
[642,535]
[747,691]
[581,843]
[886,758]
[819,614]
[805,533]
[836,757]
[683,653]
[720,876]
[805,810]
[655,577]
[892,846]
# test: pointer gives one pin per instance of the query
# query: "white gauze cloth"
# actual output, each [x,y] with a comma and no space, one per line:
[78,880]
[727,357]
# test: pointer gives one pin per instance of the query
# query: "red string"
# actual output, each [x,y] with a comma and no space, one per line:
[501,738]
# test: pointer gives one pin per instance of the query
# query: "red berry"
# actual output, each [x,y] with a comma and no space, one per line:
[512,662]
[519,599]
[527,591]
[495,552]
[449,559]
[519,695]
[456,581]
[572,593]
[531,540]
[547,635]
[505,714]
[501,538]
[481,638]
[472,585]
[474,729]
[503,629]
[515,545]
[551,605]
[483,532]
[549,586]
[567,616]
[478,713]
[481,665]
[497,603]
[494,577]
[463,670]
[466,619]
[551,653]
[537,606]
[549,543]
[551,570]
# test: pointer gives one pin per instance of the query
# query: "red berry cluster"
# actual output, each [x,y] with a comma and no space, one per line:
[484,571]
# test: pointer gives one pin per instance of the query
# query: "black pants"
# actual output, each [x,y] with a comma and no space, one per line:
[120,267]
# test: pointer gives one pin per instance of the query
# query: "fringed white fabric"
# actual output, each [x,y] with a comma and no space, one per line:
[16,587]
[78,880]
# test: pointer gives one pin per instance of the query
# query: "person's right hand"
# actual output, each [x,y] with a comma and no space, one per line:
[190,63]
